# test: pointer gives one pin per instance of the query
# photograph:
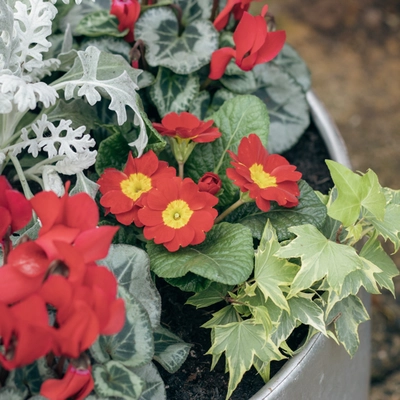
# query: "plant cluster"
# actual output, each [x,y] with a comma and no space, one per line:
[167,118]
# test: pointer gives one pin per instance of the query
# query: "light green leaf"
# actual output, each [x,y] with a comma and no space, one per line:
[131,267]
[99,23]
[320,258]
[169,350]
[310,210]
[182,53]
[236,119]
[349,313]
[241,342]
[215,293]
[154,388]
[354,193]
[271,272]
[133,345]
[224,316]
[96,74]
[173,93]
[226,256]
[113,379]
[84,184]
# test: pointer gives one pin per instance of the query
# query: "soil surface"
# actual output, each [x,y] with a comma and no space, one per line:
[353,51]
[194,380]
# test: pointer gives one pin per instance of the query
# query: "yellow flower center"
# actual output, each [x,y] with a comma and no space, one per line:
[135,185]
[177,214]
[261,178]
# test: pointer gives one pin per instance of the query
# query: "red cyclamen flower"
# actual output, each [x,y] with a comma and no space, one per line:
[127,12]
[265,176]
[236,7]
[253,45]
[176,214]
[123,192]
[186,126]
[15,209]
[210,183]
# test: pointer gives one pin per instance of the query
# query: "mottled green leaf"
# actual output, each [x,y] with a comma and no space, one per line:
[193,10]
[154,388]
[99,23]
[8,393]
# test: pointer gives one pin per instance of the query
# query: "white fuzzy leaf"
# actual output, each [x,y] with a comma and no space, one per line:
[8,39]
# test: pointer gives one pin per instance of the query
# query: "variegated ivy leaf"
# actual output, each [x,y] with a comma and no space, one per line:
[99,23]
[173,93]
[113,379]
[236,119]
[193,10]
[182,53]
[226,256]
[154,388]
[271,272]
[355,193]
[169,350]
[320,258]
[347,314]
[96,74]
[241,342]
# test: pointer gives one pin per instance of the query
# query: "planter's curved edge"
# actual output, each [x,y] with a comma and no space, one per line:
[323,369]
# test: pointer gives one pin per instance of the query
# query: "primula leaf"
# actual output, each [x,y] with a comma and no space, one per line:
[193,10]
[320,258]
[236,119]
[215,293]
[348,314]
[113,379]
[131,266]
[132,346]
[183,54]
[173,93]
[287,106]
[241,342]
[169,350]
[310,210]
[271,272]
[99,23]
[154,388]
[354,193]
[226,256]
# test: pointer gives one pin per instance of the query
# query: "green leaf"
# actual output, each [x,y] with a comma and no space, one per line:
[173,93]
[193,10]
[373,252]
[349,313]
[354,193]
[113,379]
[310,210]
[286,103]
[237,118]
[320,258]
[154,388]
[215,293]
[241,342]
[189,282]
[131,267]
[133,345]
[271,272]
[226,256]
[182,53]
[169,350]
[99,23]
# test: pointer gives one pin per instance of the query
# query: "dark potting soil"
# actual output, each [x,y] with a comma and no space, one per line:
[194,380]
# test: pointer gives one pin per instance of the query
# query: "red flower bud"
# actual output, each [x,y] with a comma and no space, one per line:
[210,183]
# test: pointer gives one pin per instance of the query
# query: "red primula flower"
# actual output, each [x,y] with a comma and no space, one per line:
[177,214]
[186,126]
[266,177]
[15,209]
[210,183]
[236,7]
[127,12]
[76,384]
[253,45]
[123,192]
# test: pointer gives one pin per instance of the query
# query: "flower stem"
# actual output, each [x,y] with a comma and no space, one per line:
[205,83]
[181,166]
[231,208]
[21,176]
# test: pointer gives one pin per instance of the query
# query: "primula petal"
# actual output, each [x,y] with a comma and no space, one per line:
[117,202]
[111,180]
[147,164]
[129,217]
[219,61]
[159,234]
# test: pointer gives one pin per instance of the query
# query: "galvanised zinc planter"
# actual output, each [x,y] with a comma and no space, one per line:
[323,370]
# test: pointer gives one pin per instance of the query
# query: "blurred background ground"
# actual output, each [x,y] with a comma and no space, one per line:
[353,50]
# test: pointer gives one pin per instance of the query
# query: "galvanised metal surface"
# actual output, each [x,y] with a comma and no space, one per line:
[323,370]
